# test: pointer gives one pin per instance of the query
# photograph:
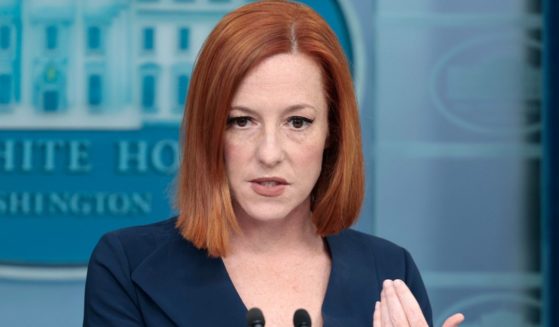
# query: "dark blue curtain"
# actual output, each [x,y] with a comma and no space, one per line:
[551,163]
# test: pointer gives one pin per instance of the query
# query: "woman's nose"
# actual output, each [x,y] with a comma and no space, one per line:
[270,148]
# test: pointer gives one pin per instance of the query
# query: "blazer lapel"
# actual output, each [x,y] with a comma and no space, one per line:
[348,300]
[195,290]
[190,287]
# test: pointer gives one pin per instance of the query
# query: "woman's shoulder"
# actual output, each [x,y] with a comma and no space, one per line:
[386,257]
[366,244]
[154,258]
[149,232]
[138,242]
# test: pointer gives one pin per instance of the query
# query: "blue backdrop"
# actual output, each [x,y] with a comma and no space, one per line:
[550,175]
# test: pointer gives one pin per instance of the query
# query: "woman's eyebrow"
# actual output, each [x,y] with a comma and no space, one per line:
[289,109]
[244,109]
[299,106]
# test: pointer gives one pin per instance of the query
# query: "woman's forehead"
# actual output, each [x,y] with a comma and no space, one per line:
[284,78]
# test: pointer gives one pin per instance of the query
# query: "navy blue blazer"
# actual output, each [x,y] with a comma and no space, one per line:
[151,276]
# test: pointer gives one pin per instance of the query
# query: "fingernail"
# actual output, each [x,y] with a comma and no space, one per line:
[387,283]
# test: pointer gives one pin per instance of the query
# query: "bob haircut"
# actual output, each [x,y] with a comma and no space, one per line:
[239,42]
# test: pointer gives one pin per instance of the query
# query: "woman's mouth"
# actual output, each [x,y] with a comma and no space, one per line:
[269,186]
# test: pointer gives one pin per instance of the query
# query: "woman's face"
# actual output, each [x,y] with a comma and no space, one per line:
[275,138]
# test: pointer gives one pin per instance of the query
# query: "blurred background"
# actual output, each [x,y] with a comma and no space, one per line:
[455,100]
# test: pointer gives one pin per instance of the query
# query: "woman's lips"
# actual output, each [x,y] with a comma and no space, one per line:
[269,187]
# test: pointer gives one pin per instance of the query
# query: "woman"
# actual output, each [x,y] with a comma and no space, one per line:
[270,180]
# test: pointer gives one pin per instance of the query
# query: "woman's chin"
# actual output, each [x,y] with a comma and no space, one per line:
[273,211]
[269,213]
[265,216]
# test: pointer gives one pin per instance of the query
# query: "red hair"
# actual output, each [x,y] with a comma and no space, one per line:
[239,42]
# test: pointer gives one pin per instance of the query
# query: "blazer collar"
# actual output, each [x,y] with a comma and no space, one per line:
[194,289]
[190,287]
[353,282]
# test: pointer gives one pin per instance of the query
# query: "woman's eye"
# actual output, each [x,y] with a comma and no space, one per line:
[298,122]
[241,121]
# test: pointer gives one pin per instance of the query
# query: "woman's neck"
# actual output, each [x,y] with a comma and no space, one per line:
[293,234]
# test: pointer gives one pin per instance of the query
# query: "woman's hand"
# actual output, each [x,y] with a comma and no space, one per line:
[397,307]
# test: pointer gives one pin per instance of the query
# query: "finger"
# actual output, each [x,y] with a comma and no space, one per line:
[384,315]
[376,315]
[409,304]
[454,320]
[397,313]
